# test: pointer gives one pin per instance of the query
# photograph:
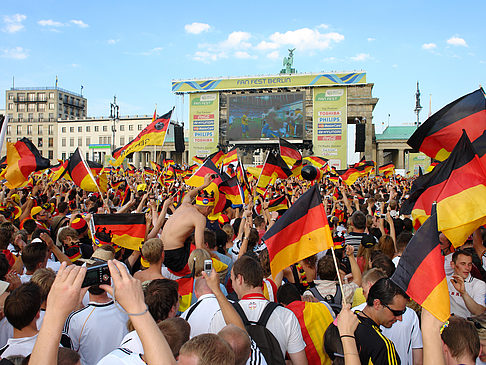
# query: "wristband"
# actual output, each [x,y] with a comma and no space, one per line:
[350,336]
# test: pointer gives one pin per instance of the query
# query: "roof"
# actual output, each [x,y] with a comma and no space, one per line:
[396,132]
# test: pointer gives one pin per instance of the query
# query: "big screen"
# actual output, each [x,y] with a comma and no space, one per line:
[266,116]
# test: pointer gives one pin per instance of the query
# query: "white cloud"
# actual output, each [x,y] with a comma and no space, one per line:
[361,57]
[237,40]
[307,39]
[371,39]
[395,65]
[16,53]
[273,55]
[79,23]
[50,23]
[74,65]
[112,41]
[323,26]
[329,59]
[151,52]
[243,55]
[265,46]
[429,46]
[13,23]
[206,57]
[457,41]
[197,28]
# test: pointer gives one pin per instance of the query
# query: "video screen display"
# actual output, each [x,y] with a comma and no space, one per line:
[266,116]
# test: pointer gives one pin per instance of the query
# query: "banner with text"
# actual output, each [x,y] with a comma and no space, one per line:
[330,127]
[203,124]
[414,161]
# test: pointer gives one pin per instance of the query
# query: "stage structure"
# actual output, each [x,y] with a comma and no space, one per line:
[310,110]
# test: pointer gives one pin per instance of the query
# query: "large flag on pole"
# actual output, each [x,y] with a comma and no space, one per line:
[301,231]
[81,173]
[153,134]
[420,271]
[23,158]
[290,154]
[438,135]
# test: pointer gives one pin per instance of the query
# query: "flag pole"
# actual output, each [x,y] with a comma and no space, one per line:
[339,277]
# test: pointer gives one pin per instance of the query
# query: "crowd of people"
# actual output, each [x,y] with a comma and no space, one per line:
[336,307]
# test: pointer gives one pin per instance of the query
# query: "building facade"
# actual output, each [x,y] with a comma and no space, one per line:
[33,113]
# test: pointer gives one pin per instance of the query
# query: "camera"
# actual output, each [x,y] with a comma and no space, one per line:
[96,275]
[208,266]
[214,176]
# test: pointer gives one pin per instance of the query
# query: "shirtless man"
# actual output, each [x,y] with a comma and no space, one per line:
[186,219]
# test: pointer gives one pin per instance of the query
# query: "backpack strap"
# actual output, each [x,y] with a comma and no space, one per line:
[316,294]
[242,314]
[267,312]
[190,310]
[338,297]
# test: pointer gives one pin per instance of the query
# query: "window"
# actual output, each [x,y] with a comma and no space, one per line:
[41,117]
[51,130]
[63,155]
[39,129]
[51,117]
[10,96]
[108,140]
[60,96]
[42,96]
[105,128]
[21,107]
[51,95]
[88,141]
[39,142]
[80,129]
[10,106]
[21,117]
[139,127]
[122,128]
[50,154]
[63,129]
[71,142]
[100,140]
[51,142]
[51,106]
[88,128]
[97,128]
[31,97]
[9,129]
[63,142]
[21,97]
[19,129]
[9,139]
[71,129]
[80,142]
[31,117]
[130,127]
[41,107]
[122,141]
[29,130]
[31,107]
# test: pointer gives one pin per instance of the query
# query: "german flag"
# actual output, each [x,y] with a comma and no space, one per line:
[438,135]
[128,229]
[95,167]
[301,231]
[23,158]
[231,189]
[197,179]
[350,175]
[153,134]
[58,171]
[80,173]
[155,166]
[231,157]
[420,271]
[280,203]
[168,162]
[148,171]
[186,284]
[274,167]
[290,154]
[198,160]
[456,184]
[116,184]
[431,166]
[386,169]
[316,161]
[216,158]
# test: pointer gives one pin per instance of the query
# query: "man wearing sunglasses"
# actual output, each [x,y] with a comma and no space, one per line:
[386,304]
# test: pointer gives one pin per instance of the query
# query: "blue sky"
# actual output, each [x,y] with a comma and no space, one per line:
[134,49]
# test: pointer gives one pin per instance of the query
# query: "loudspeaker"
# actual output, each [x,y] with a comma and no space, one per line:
[179,139]
[359,145]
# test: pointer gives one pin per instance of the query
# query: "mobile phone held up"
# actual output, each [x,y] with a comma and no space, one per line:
[96,275]
[208,267]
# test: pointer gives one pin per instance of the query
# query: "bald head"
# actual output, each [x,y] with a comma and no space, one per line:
[239,341]
[201,287]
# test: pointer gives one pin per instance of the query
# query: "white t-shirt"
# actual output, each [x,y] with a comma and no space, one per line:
[122,356]
[6,331]
[447,265]
[18,346]
[474,287]
[283,324]
[96,330]
[132,342]
[404,334]
[201,316]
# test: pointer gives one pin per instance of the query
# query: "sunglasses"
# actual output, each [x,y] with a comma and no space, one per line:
[476,323]
[396,313]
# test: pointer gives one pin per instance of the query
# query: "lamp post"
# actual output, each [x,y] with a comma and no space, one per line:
[115,115]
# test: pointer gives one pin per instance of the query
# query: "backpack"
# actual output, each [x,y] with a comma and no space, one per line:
[335,301]
[265,340]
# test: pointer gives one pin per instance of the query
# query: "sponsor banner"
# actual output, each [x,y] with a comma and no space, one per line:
[271,81]
[203,124]
[415,160]
[330,126]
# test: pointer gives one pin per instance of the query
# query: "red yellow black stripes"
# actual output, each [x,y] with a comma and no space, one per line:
[302,231]
[128,229]
[438,135]
[290,154]
[80,173]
